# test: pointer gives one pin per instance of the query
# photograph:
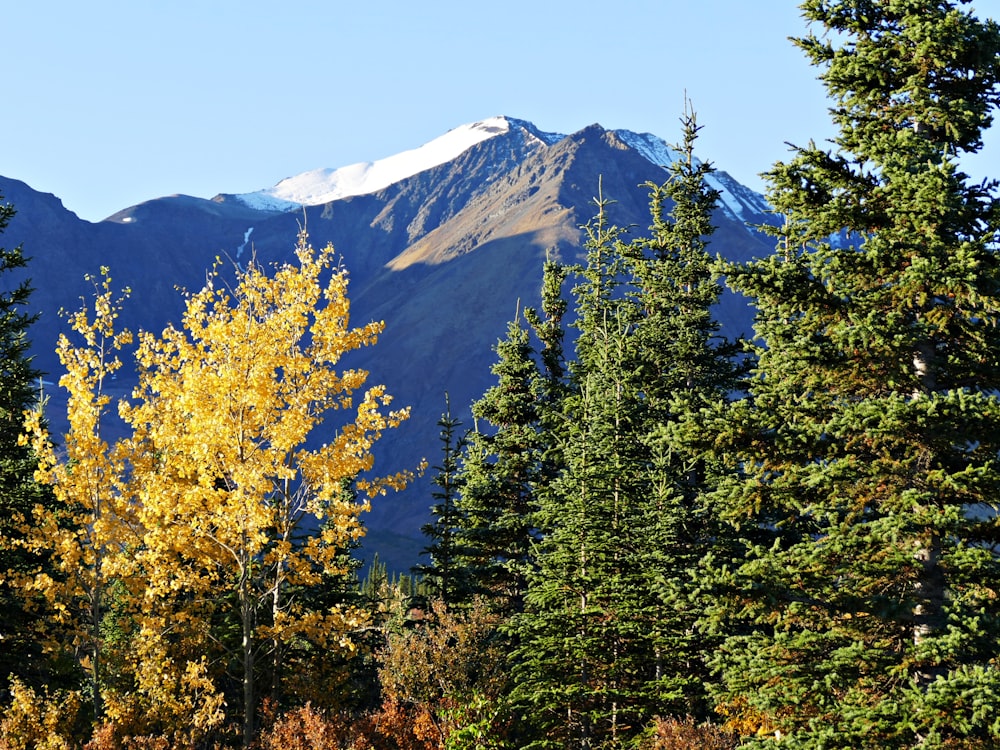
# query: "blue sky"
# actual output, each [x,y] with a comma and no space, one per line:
[108,104]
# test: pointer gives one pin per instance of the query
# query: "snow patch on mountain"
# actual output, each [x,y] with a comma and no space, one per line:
[544,137]
[734,198]
[246,241]
[654,149]
[320,186]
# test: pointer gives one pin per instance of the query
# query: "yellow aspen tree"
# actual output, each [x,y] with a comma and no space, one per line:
[90,523]
[236,472]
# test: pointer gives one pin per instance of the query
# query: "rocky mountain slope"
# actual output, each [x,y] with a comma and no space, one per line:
[445,254]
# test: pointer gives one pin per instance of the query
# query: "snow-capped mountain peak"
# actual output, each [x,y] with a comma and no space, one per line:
[321,186]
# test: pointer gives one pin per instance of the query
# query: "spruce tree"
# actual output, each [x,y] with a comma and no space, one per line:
[547,325]
[444,575]
[572,665]
[684,365]
[608,638]
[869,449]
[329,678]
[550,384]
[499,471]
[20,654]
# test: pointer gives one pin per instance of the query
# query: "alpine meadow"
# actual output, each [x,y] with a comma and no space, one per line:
[649,530]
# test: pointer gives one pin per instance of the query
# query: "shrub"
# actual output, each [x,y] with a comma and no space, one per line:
[40,722]
[306,728]
[677,734]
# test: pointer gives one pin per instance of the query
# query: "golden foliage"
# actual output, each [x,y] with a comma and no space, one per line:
[744,719]
[39,722]
[91,522]
[218,501]
[224,485]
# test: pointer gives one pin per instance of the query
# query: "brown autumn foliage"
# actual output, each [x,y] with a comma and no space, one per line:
[684,734]
[113,736]
[305,729]
[444,654]
[393,727]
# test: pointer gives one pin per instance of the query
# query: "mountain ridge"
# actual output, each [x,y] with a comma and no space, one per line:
[324,185]
[446,257]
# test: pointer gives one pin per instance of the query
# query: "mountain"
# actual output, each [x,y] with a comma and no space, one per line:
[445,243]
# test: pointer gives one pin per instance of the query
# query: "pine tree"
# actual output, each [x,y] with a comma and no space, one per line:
[445,576]
[869,449]
[21,653]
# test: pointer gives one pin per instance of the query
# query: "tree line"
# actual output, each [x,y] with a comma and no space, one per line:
[651,536]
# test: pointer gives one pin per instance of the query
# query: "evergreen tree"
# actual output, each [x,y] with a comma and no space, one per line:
[323,677]
[444,575]
[869,450]
[499,471]
[20,654]
[570,665]
[683,366]
[607,641]
[548,327]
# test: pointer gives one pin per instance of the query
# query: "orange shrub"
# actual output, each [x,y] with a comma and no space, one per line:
[675,734]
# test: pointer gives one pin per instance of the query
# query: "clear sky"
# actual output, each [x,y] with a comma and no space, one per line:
[110,103]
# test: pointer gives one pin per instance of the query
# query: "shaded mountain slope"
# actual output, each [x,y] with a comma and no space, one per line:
[446,257]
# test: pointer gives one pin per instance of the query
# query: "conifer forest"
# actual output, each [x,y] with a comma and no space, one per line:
[652,536]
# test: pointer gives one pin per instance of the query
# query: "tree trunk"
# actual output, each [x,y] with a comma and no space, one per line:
[249,698]
[928,612]
[276,645]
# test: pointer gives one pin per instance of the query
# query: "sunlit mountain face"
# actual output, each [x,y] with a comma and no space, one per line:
[444,242]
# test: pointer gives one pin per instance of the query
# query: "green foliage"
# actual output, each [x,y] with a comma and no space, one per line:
[20,383]
[608,638]
[621,553]
[500,468]
[322,677]
[445,575]
[867,455]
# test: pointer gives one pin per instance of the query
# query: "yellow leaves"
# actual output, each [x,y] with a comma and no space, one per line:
[40,722]
[329,630]
[174,686]
[90,519]
[213,501]
[743,719]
